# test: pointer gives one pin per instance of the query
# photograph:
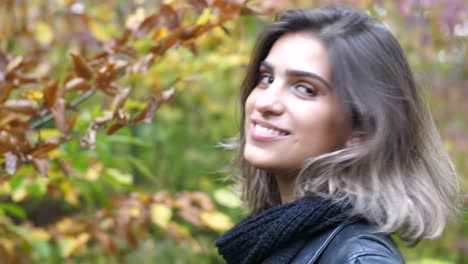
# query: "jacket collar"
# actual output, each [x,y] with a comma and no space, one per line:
[314,248]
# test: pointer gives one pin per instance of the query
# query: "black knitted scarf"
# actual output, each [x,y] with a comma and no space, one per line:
[276,235]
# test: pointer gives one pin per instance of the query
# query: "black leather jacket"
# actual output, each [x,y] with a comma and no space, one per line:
[350,243]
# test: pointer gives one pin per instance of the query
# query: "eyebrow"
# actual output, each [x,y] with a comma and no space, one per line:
[298,73]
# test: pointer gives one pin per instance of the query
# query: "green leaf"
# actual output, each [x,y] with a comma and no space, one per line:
[16,181]
[119,177]
[126,140]
[145,171]
[13,209]
[43,248]
[227,198]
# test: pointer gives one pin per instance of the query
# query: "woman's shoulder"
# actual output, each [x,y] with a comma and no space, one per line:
[354,242]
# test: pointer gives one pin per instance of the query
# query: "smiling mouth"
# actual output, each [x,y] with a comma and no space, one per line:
[267,131]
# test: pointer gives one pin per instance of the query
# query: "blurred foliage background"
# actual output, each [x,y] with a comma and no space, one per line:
[111,114]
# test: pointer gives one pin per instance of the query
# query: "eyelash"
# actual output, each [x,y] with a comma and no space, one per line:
[310,91]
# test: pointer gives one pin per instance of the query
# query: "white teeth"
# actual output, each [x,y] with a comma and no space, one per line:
[268,131]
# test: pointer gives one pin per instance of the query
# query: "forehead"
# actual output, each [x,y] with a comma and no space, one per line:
[300,51]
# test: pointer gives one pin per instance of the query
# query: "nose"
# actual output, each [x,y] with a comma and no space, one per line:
[270,101]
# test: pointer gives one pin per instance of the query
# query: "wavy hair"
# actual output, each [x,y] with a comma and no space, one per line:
[396,173]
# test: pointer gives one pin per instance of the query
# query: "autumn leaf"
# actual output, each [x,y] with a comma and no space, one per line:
[77,84]
[82,69]
[50,94]
[216,220]
[146,115]
[161,214]
[43,33]
[22,106]
[227,198]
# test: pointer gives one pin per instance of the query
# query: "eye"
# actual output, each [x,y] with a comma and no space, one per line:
[265,78]
[305,90]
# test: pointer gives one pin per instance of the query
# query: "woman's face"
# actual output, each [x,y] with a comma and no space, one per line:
[292,114]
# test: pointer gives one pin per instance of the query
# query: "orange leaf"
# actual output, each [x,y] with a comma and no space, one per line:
[146,25]
[50,94]
[50,144]
[82,69]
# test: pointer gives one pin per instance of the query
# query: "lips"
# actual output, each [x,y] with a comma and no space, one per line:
[264,131]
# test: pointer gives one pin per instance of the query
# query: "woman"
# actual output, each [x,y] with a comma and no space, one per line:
[336,150]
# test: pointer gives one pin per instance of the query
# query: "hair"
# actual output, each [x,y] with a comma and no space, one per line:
[396,174]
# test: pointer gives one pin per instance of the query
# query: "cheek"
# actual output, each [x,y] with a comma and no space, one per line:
[250,103]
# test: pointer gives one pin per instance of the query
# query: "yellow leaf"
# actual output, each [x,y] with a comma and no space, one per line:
[161,33]
[33,95]
[64,225]
[97,31]
[206,16]
[43,33]
[69,246]
[40,234]
[18,195]
[94,171]
[227,198]
[71,194]
[216,220]
[8,245]
[161,214]
[49,133]
[135,211]
[118,176]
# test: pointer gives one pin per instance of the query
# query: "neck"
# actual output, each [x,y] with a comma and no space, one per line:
[286,186]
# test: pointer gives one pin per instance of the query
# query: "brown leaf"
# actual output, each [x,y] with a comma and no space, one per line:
[105,241]
[41,150]
[14,64]
[199,4]
[71,120]
[191,214]
[11,162]
[6,91]
[3,64]
[144,63]
[41,166]
[167,42]
[131,52]
[130,236]
[60,116]
[116,126]
[50,94]
[119,100]
[146,25]
[170,16]
[77,84]
[146,115]
[110,72]
[124,38]
[22,106]
[89,139]
[82,69]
